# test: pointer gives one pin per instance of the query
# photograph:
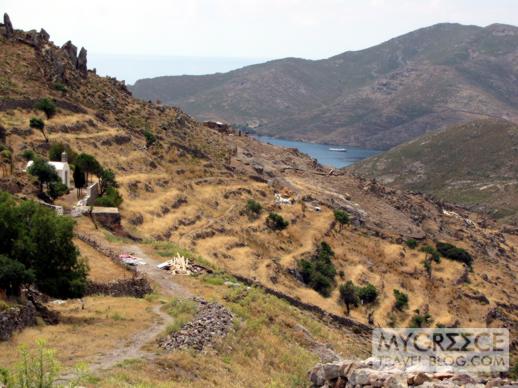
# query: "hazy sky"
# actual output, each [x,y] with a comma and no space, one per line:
[236,32]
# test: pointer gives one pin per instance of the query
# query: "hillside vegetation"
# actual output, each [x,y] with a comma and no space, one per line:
[474,164]
[378,97]
[189,189]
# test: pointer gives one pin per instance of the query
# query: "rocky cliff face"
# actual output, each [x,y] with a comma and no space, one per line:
[378,97]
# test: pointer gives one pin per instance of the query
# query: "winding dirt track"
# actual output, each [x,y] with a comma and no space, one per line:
[133,348]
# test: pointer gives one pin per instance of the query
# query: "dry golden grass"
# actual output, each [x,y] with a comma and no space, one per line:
[267,347]
[101,268]
[105,324]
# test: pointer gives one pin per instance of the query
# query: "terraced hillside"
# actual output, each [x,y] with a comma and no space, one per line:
[189,191]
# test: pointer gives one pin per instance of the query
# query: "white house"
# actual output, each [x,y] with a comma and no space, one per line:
[62,169]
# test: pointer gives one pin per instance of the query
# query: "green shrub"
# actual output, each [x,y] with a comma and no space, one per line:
[368,293]
[111,198]
[42,241]
[182,310]
[60,87]
[401,300]
[319,272]
[275,222]
[349,295]
[37,123]
[150,138]
[57,189]
[411,243]
[28,155]
[453,253]
[420,320]
[434,254]
[47,106]
[253,207]
[341,217]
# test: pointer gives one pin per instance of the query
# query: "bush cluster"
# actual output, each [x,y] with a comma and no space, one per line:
[276,222]
[253,208]
[452,252]
[319,271]
[401,300]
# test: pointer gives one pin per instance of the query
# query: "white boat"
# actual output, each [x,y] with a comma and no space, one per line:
[338,149]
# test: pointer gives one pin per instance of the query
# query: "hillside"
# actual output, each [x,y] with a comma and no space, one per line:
[377,98]
[474,164]
[188,191]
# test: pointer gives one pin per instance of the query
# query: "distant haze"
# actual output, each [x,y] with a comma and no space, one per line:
[133,67]
[236,28]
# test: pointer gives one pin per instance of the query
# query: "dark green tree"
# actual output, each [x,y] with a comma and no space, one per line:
[319,271]
[39,124]
[42,241]
[349,295]
[43,171]
[341,217]
[276,222]
[88,164]
[106,180]
[13,275]
[368,293]
[47,106]
[79,180]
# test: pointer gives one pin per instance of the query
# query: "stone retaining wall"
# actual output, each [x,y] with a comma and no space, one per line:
[136,287]
[358,374]
[16,319]
[357,327]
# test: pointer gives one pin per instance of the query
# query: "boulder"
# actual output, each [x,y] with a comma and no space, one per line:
[71,51]
[82,62]
[9,31]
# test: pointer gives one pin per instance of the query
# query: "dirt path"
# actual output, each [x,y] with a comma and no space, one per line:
[134,347]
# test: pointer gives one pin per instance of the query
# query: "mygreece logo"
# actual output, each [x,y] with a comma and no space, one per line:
[442,349]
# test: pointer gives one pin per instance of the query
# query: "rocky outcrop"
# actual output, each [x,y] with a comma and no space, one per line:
[365,374]
[211,322]
[15,319]
[8,27]
[82,63]
[71,51]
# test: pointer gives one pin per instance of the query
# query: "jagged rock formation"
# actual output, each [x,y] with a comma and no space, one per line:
[82,62]
[71,51]
[8,27]
[357,374]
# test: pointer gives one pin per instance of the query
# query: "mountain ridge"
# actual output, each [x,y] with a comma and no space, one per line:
[375,98]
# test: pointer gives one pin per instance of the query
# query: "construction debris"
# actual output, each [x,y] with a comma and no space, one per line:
[131,260]
[180,265]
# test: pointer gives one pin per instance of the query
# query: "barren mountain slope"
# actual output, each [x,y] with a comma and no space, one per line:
[474,164]
[191,188]
[378,97]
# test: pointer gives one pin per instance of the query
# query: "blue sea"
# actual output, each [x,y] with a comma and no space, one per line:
[321,151]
